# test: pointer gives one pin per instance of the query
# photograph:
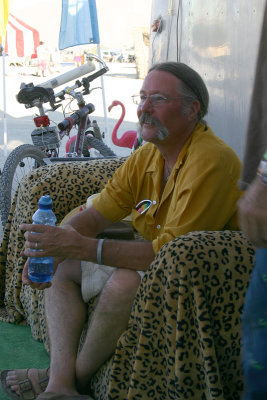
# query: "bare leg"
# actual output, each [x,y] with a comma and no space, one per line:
[108,322]
[66,313]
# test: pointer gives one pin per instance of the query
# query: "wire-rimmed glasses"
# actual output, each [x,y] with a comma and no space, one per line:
[156,99]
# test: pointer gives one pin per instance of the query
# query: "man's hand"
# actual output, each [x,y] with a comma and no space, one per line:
[37,285]
[61,242]
[253,213]
[34,285]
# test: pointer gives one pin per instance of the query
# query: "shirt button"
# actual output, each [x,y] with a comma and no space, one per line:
[154,202]
[158,226]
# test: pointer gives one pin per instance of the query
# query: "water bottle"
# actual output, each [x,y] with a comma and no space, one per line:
[41,268]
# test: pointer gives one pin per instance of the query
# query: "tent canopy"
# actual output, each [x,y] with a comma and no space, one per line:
[21,39]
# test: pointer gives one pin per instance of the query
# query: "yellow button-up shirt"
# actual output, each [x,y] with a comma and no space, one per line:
[200,194]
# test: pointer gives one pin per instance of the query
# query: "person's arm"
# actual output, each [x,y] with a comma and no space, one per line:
[76,240]
[88,222]
[252,209]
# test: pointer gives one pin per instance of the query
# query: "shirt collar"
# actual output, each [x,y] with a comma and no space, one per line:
[158,159]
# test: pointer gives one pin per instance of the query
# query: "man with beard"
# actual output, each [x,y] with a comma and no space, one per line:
[182,179]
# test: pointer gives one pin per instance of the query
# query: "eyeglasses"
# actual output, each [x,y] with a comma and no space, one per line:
[154,99]
[143,206]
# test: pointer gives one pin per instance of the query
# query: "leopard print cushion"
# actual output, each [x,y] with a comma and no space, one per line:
[69,185]
[183,336]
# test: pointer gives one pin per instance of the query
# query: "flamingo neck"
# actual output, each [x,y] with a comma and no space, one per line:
[114,136]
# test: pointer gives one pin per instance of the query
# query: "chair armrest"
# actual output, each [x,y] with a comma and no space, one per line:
[69,184]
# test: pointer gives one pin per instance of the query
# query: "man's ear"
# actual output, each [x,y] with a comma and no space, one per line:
[194,109]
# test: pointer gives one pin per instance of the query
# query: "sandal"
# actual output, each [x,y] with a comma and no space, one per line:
[26,389]
[57,396]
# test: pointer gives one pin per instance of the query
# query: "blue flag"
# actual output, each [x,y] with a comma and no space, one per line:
[78,23]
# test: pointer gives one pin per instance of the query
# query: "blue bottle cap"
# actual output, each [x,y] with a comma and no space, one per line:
[45,202]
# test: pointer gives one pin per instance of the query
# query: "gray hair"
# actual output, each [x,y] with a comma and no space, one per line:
[192,86]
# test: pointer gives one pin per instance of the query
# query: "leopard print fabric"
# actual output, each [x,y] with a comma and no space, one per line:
[69,184]
[183,336]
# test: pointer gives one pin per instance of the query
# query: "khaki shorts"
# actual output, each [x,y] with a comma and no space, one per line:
[94,276]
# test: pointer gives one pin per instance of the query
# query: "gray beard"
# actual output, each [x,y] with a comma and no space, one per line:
[162,133]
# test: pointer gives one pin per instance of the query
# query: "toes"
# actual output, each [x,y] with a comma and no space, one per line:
[11,375]
[14,388]
[27,381]
[12,383]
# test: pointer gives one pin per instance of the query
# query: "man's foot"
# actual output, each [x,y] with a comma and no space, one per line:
[24,383]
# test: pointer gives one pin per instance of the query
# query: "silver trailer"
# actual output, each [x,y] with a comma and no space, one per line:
[218,38]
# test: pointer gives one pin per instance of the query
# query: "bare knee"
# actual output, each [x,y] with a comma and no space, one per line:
[121,287]
[68,271]
[124,280]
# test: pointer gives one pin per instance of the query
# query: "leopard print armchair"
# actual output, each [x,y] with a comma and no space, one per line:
[183,340]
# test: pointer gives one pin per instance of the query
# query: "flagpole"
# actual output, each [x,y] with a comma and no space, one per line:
[83,31]
[107,136]
[4,101]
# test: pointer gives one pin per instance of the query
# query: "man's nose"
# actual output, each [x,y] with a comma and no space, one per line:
[146,105]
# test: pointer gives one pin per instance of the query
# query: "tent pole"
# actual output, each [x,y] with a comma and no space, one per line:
[4,101]
[107,136]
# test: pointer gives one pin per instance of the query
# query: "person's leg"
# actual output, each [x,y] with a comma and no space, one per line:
[65,313]
[109,320]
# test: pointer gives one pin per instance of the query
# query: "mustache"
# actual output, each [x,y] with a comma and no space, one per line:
[163,132]
[146,117]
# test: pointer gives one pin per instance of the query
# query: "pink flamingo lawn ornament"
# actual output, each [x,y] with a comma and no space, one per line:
[129,137]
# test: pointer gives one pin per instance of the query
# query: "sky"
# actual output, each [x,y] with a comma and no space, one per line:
[116,18]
